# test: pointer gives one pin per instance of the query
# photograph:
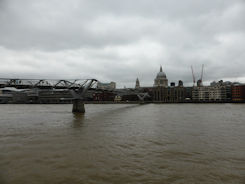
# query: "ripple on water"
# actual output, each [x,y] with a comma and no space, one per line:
[168,143]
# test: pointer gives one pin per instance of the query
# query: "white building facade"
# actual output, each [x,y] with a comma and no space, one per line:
[210,94]
[106,86]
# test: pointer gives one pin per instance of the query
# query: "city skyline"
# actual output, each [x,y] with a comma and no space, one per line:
[88,39]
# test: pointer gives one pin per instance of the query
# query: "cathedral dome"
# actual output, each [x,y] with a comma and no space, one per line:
[161,79]
[161,74]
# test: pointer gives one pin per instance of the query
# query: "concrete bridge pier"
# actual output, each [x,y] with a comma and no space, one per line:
[78,106]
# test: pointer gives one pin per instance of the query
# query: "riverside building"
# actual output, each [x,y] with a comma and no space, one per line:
[216,92]
[209,94]
[106,86]
[161,92]
[238,93]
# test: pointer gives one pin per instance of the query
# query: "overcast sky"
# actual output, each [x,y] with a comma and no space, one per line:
[113,40]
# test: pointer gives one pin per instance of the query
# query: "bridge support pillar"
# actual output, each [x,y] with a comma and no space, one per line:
[78,106]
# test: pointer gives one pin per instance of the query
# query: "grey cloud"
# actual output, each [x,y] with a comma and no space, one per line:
[52,25]
[122,40]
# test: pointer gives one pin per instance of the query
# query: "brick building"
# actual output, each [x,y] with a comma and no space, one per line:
[238,93]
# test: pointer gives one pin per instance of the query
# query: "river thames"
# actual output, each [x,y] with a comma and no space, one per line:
[122,143]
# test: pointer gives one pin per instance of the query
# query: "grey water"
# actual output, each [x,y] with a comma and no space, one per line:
[121,143]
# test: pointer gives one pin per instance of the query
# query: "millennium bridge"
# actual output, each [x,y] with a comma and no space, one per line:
[78,88]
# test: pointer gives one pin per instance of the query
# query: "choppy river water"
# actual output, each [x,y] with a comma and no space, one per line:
[138,144]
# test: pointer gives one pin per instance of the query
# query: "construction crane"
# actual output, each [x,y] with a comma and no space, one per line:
[202,72]
[199,82]
[193,76]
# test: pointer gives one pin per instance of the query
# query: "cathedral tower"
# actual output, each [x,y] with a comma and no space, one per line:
[137,84]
